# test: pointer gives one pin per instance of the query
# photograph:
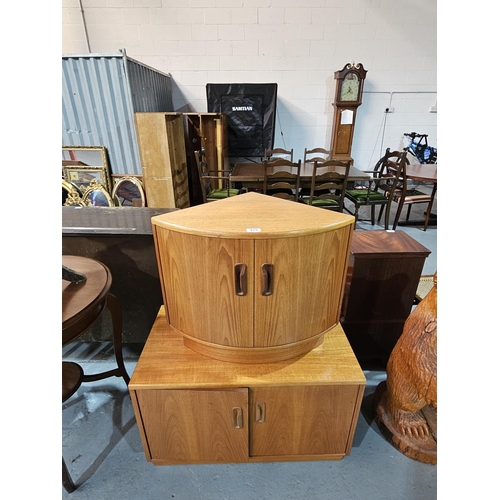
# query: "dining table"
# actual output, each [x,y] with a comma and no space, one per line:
[422,172]
[252,174]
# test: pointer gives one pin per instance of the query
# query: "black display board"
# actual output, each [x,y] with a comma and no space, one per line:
[251,114]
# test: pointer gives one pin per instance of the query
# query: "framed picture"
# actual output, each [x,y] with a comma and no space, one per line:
[82,164]
[82,176]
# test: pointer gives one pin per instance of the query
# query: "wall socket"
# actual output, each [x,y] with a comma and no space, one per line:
[389,110]
[433,109]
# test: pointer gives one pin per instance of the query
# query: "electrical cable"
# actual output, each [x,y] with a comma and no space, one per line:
[281,130]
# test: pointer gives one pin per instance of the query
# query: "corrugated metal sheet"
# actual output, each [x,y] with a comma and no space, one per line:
[100,93]
[151,90]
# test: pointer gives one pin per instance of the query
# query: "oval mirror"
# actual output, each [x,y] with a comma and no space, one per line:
[128,192]
[96,196]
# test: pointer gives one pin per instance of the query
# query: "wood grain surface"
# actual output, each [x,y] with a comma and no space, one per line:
[166,363]
[253,216]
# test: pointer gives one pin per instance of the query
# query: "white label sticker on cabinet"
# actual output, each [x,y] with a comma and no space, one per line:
[253,229]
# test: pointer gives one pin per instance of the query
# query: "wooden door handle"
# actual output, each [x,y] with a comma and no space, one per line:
[260,412]
[240,279]
[267,279]
[237,417]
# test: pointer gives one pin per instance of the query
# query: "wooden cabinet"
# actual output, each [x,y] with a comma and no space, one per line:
[382,280]
[167,142]
[160,138]
[252,278]
[193,409]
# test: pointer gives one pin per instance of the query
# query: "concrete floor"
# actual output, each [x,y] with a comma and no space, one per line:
[105,458]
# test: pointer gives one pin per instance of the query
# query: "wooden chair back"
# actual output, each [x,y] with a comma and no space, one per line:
[386,179]
[278,151]
[312,155]
[215,184]
[282,178]
[390,173]
[329,184]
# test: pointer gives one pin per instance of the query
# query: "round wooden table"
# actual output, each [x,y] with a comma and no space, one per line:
[84,302]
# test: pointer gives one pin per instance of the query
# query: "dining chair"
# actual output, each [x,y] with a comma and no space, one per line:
[311,155]
[278,151]
[328,186]
[282,179]
[408,196]
[215,184]
[381,187]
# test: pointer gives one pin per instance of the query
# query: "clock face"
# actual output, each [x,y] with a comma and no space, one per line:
[349,89]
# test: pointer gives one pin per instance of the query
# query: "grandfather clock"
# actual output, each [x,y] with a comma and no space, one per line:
[348,95]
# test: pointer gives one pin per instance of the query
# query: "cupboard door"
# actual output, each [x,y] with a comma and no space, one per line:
[307,420]
[304,295]
[186,426]
[201,287]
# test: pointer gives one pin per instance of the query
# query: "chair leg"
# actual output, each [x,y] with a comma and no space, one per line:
[381,212]
[408,212]
[67,482]
[373,215]
[428,215]
[398,214]
[356,211]
[386,218]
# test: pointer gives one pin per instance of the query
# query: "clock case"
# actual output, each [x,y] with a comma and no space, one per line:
[343,133]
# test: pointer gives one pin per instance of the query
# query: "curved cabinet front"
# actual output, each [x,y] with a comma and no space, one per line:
[257,298]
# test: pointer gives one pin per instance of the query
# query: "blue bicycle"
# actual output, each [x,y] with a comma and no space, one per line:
[419,148]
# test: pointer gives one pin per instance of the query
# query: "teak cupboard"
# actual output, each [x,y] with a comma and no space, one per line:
[194,409]
[252,277]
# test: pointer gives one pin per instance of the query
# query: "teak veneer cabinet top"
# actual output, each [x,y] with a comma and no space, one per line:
[252,278]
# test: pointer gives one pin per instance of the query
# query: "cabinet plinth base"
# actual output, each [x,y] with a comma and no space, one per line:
[254,354]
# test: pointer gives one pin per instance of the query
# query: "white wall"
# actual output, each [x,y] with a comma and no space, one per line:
[297,44]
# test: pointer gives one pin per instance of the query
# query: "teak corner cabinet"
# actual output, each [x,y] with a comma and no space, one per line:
[252,278]
[246,360]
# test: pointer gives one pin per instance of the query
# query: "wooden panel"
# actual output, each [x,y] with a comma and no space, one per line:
[342,134]
[308,281]
[192,142]
[198,280]
[343,140]
[161,145]
[189,426]
[302,420]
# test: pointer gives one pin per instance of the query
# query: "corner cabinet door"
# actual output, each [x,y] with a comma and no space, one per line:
[302,420]
[206,294]
[305,283]
[195,426]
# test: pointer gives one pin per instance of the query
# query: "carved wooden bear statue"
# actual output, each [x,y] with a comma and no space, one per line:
[405,404]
